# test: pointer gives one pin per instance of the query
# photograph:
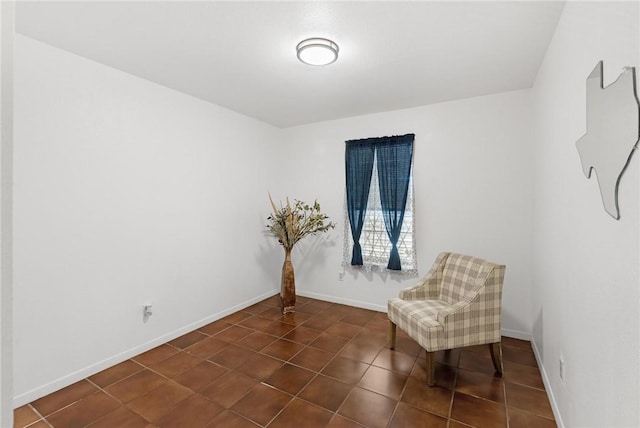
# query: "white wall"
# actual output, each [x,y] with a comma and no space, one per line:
[586,287]
[6,215]
[125,193]
[473,176]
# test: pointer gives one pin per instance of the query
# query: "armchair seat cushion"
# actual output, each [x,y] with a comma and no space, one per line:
[418,318]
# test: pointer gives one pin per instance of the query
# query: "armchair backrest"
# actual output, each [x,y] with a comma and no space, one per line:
[462,275]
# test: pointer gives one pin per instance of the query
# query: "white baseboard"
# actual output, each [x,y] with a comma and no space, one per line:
[547,386]
[333,299]
[71,378]
[515,334]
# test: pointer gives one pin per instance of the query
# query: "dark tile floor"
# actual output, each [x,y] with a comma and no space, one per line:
[324,366]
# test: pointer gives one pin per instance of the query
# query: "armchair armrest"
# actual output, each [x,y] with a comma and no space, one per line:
[478,311]
[460,307]
[427,288]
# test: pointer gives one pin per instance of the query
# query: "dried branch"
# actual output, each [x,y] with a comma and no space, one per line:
[290,224]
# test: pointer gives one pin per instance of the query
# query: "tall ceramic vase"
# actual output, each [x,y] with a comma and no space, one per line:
[288,286]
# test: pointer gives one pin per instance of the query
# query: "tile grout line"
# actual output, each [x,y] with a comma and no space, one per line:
[288,361]
[124,404]
[317,373]
[453,392]
[41,417]
[506,404]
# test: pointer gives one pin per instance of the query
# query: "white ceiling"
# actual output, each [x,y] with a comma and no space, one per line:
[241,55]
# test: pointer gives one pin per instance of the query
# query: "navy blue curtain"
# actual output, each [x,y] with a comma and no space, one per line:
[359,167]
[394,171]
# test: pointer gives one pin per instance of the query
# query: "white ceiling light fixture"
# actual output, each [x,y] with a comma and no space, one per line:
[317,51]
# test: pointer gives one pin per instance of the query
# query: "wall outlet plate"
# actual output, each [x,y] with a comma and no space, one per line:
[147,311]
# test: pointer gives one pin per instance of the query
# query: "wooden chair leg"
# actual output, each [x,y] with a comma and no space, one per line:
[392,335]
[496,356]
[431,368]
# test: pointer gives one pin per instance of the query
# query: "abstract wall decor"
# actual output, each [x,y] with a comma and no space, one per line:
[613,131]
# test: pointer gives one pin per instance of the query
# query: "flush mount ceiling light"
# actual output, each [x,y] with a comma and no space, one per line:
[317,51]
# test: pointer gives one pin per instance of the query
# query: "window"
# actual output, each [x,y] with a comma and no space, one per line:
[375,244]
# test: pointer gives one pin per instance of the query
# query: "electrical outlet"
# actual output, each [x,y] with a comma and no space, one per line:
[340,276]
[147,311]
[562,368]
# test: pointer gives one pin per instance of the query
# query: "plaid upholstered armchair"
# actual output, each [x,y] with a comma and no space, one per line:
[457,304]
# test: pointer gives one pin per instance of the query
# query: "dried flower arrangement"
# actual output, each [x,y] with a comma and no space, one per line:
[290,224]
